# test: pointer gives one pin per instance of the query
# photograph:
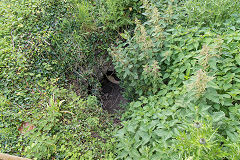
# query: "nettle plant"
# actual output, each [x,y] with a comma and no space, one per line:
[160,129]
[182,124]
[135,60]
[170,52]
[190,110]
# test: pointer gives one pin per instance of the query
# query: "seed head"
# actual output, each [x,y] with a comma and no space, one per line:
[200,83]
[142,37]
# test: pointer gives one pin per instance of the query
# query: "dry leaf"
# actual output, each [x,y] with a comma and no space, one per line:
[112,79]
[25,127]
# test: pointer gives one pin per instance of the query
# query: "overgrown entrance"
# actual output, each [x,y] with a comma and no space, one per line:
[111,93]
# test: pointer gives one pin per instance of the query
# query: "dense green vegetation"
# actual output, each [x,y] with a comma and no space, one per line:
[179,65]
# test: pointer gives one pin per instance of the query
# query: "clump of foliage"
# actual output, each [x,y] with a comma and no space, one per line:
[179,66]
[210,12]
[46,45]
[64,127]
[154,130]
[70,128]
[118,14]
[187,80]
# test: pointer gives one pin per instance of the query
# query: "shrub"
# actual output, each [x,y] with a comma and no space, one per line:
[71,128]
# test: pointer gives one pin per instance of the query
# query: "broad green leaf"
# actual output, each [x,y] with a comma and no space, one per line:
[237,58]
[233,137]
[226,86]
[217,116]
[161,132]
[213,85]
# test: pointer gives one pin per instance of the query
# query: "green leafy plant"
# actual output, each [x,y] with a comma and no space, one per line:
[179,67]
[64,127]
[40,41]
[118,14]
[210,12]
[186,113]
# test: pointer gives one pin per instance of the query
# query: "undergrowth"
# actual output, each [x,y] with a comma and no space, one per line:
[178,62]
[182,71]
[48,50]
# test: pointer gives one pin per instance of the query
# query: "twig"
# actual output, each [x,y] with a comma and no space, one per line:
[47,43]
[68,112]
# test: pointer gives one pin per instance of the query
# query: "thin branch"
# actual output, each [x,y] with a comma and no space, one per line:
[68,112]
[47,43]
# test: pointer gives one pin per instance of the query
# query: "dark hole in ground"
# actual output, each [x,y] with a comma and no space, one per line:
[111,94]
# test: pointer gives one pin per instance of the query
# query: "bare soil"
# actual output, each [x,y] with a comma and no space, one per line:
[111,96]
